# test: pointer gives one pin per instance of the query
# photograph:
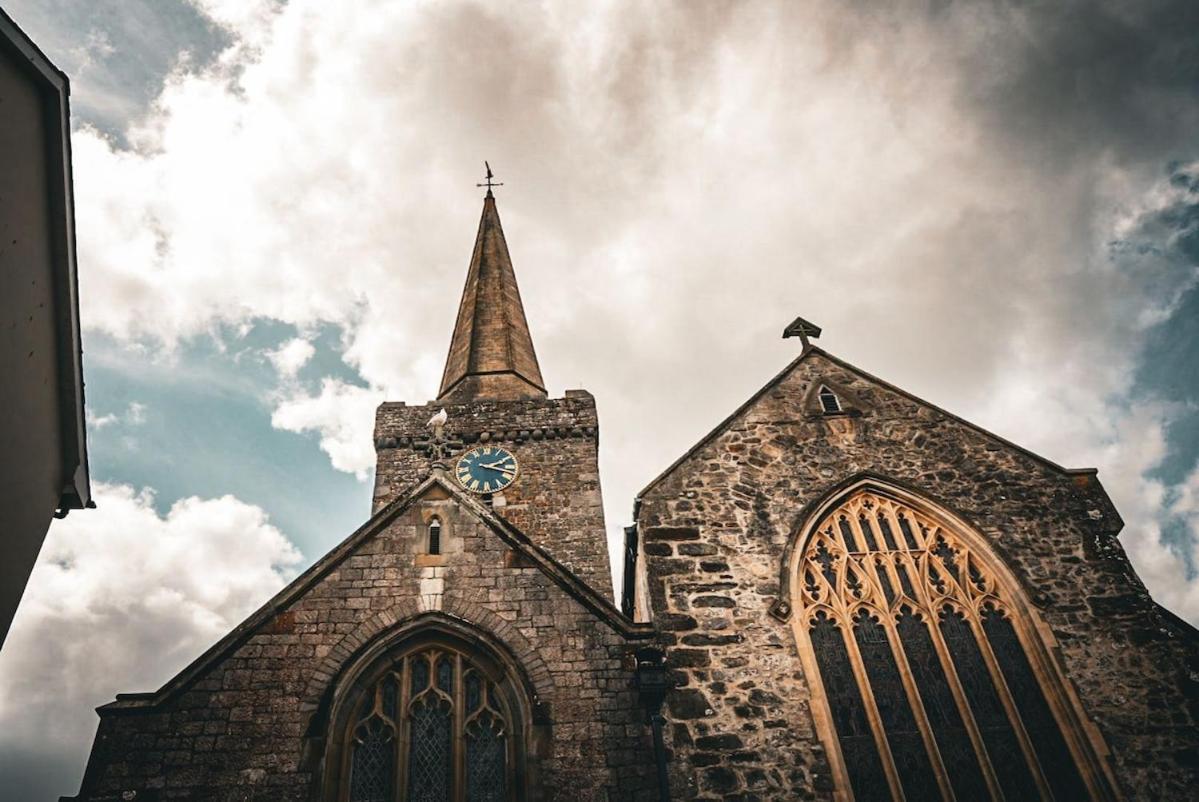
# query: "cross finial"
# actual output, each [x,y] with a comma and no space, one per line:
[489,183]
[803,330]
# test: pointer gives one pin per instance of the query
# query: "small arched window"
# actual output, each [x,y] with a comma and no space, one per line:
[928,685]
[435,536]
[433,725]
[829,401]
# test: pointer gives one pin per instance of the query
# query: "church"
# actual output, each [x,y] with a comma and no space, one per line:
[842,592]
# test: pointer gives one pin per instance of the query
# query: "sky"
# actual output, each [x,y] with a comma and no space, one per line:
[994,205]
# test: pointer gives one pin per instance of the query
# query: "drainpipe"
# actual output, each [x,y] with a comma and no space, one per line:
[652,684]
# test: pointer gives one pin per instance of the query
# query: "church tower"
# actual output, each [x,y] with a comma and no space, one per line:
[460,646]
[496,403]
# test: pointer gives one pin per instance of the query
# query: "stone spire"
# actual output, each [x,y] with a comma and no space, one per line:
[491,354]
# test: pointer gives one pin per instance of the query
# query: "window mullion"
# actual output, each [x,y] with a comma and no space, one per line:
[822,714]
[901,545]
[459,743]
[855,523]
[403,728]
[509,750]
[905,558]
[872,714]
[1009,704]
[959,696]
[887,567]
[834,599]
[900,553]
[917,704]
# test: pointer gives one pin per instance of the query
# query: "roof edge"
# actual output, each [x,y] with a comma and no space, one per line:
[1185,628]
[508,532]
[55,90]
[36,57]
[720,427]
[816,350]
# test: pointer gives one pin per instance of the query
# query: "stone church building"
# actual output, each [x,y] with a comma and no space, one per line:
[842,592]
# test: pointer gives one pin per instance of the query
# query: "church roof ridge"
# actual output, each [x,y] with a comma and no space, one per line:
[491,339]
[563,576]
[811,350]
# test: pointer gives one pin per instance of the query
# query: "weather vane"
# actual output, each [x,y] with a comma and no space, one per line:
[490,183]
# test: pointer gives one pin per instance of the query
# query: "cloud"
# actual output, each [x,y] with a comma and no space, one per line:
[134,415]
[1129,443]
[344,417]
[117,54]
[292,355]
[1167,567]
[95,421]
[240,16]
[120,599]
[949,190]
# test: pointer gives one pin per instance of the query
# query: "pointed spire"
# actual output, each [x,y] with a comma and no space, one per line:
[491,354]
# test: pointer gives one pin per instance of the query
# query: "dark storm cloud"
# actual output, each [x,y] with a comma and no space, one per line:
[1053,80]
[1063,77]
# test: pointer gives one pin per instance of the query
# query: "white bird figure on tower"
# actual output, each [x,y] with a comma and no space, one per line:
[437,422]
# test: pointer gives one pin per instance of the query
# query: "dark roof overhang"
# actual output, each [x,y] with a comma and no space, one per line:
[54,88]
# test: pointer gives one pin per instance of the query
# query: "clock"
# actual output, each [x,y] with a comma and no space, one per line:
[487,469]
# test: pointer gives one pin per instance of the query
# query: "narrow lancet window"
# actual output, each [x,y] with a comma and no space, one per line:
[435,536]
[829,401]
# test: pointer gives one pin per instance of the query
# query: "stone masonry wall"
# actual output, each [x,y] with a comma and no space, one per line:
[713,534]
[241,730]
[556,499]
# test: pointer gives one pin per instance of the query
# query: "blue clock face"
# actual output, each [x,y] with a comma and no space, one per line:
[486,469]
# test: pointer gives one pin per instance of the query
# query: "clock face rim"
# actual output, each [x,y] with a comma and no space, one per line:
[478,450]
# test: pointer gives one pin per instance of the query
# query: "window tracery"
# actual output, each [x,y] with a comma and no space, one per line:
[433,727]
[929,688]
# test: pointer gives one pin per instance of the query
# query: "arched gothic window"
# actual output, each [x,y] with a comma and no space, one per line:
[929,686]
[828,400]
[434,725]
